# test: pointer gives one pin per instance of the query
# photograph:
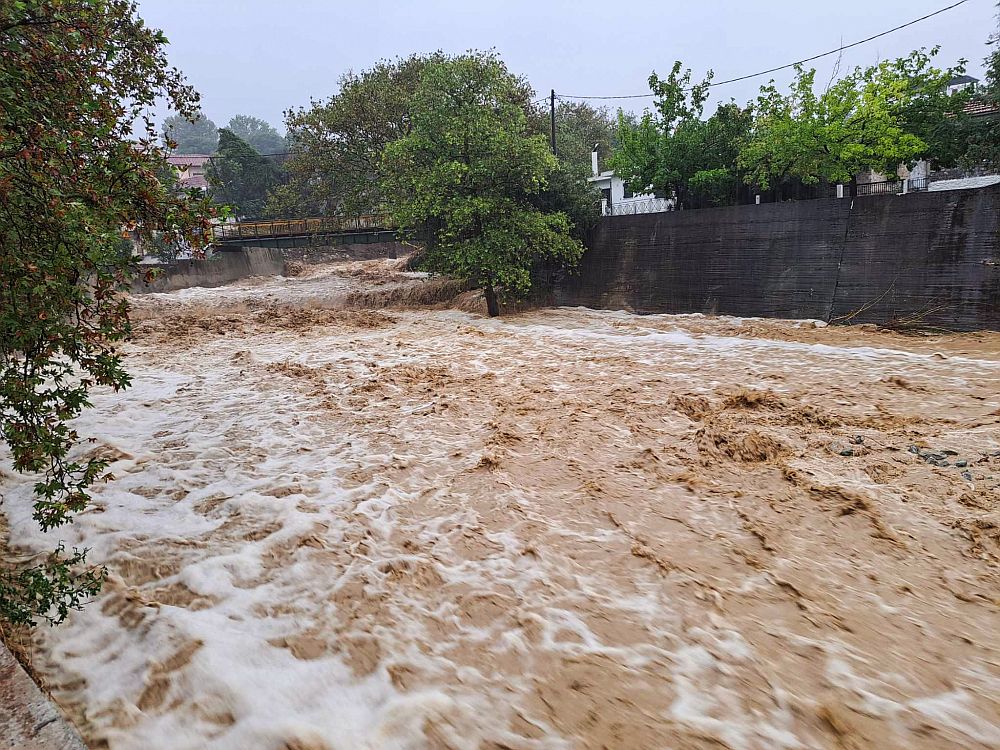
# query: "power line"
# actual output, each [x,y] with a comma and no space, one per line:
[248,156]
[793,64]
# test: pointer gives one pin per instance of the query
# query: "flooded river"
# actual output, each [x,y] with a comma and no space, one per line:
[334,528]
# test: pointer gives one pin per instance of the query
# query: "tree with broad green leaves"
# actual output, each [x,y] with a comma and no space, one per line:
[335,146]
[874,118]
[464,176]
[240,177]
[260,134]
[579,127]
[190,134]
[673,151]
[984,131]
[76,174]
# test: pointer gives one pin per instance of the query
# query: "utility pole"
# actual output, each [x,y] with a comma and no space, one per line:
[552,118]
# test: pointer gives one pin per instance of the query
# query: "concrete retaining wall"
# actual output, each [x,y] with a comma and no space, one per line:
[223,267]
[231,264]
[927,257]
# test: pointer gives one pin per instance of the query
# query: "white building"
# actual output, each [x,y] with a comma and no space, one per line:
[616,199]
[960,83]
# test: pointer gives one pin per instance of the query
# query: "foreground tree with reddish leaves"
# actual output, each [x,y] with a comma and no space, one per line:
[79,166]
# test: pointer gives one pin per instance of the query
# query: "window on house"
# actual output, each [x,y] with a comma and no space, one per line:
[628,193]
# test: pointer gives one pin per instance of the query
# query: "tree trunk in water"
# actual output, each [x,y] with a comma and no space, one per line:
[492,304]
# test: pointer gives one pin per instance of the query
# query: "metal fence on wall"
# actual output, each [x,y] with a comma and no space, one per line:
[891,187]
[779,194]
[643,206]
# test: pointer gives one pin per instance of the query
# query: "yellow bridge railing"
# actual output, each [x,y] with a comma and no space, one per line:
[296,227]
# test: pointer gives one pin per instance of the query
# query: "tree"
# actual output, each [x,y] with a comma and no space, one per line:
[874,118]
[261,136]
[984,131]
[239,176]
[464,175]
[674,151]
[567,191]
[74,176]
[336,146]
[786,139]
[194,134]
[579,127]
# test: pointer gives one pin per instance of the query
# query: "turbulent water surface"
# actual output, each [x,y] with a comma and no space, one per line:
[334,528]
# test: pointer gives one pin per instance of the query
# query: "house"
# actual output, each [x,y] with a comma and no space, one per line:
[975,107]
[960,83]
[921,175]
[617,199]
[190,169]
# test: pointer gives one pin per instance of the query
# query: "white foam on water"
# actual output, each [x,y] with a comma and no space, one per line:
[282,520]
[954,711]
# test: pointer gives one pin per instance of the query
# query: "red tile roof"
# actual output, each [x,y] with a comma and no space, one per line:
[978,108]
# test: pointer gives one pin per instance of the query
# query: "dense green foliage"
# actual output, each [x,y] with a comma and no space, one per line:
[579,127]
[334,165]
[874,118]
[674,151]
[496,214]
[240,177]
[194,134]
[984,131]
[567,191]
[466,176]
[75,174]
[201,136]
[260,134]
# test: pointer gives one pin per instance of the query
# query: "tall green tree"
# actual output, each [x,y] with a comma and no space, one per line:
[464,175]
[984,131]
[190,134]
[240,177]
[579,127]
[673,151]
[260,134]
[335,160]
[75,78]
[874,118]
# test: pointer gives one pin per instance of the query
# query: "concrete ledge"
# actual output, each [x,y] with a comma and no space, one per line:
[224,267]
[231,263]
[29,720]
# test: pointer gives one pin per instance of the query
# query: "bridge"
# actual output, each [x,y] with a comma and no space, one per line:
[308,232]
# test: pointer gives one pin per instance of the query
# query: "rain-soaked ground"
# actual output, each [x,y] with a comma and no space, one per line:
[334,529]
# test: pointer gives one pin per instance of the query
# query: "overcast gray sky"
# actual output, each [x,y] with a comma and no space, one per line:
[261,57]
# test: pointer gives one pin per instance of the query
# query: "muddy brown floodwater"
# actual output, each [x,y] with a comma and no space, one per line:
[338,528]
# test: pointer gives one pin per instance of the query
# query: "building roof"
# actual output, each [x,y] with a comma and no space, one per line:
[965,183]
[602,176]
[195,181]
[978,108]
[188,160]
[959,80]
